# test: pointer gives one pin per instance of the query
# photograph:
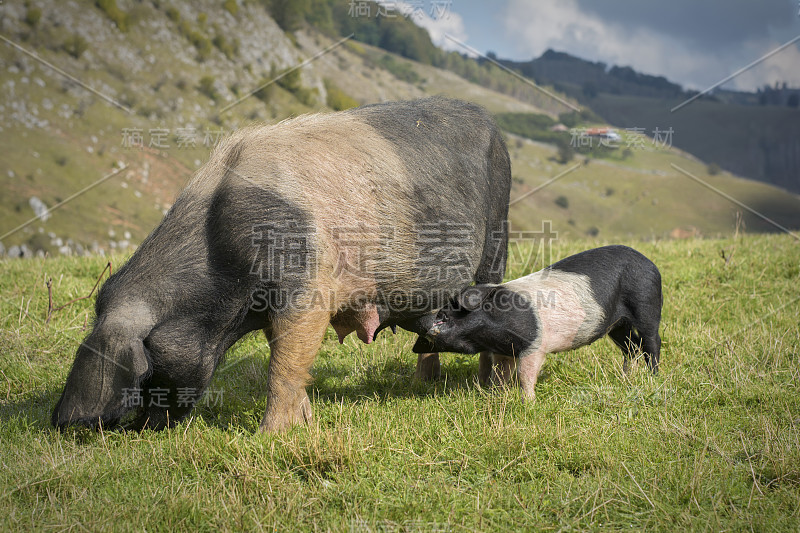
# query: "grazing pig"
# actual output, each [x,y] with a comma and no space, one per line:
[365,219]
[612,290]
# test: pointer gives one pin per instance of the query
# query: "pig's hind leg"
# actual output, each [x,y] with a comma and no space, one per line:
[528,368]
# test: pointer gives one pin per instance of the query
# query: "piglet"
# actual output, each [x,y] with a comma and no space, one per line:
[612,290]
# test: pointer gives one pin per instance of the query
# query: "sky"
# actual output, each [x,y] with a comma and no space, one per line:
[695,43]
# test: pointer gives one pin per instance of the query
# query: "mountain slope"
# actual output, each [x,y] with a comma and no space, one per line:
[178,67]
[761,142]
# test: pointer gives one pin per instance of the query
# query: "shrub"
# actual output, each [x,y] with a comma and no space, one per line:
[400,69]
[571,119]
[128,98]
[533,126]
[289,14]
[562,202]
[565,152]
[231,7]
[201,43]
[33,16]
[119,17]
[206,87]
[75,45]
[713,169]
[230,49]
[173,14]
[292,83]
[337,99]
[264,93]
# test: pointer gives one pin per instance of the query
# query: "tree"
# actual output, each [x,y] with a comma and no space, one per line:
[565,152]
[289,14]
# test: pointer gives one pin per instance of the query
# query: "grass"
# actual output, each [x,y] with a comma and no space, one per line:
[712,443]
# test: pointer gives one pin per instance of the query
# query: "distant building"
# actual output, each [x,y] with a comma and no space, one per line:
[609,134]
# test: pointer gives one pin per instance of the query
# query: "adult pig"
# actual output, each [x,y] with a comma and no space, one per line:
[363,219]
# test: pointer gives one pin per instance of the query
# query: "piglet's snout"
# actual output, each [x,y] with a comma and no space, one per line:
[436,328]
[434,331]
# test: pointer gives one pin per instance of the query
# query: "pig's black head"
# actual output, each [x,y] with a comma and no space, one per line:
[110,361]
[482,318]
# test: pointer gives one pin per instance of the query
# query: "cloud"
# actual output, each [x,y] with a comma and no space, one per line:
[564,25]
[784,66]
[448,22]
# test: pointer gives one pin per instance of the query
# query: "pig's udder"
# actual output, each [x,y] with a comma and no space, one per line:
[363,321]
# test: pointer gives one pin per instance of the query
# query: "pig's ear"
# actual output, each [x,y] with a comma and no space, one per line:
[140,363]
[471,298]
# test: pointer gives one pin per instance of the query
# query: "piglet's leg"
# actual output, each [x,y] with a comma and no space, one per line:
[428,367]
[294,343]
[485,368]
[528,368]
[503,369]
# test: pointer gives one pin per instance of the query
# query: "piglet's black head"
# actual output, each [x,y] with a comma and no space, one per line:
[482,318]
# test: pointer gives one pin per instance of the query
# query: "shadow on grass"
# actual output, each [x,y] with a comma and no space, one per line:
[244,392]
[238,398]
[33,410]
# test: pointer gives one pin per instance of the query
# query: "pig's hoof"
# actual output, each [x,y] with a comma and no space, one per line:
[300,412]
[529,397]
[428,367]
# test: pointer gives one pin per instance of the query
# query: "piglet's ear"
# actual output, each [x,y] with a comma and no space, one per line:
[423,345]
[471,298]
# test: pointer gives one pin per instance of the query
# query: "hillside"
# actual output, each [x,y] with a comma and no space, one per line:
[756,135]
[759,142]
[174,70]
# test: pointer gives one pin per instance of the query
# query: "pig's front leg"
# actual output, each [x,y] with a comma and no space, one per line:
[528,368]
